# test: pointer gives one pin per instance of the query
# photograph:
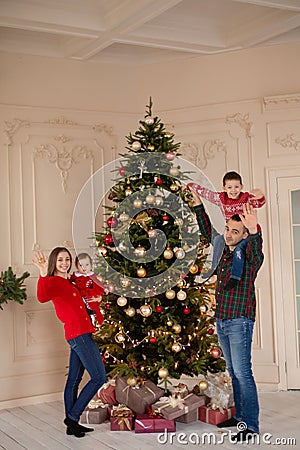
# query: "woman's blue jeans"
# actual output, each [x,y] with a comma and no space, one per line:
[84,355]
[235,337]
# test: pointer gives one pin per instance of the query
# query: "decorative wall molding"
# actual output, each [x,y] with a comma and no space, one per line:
[242,121]
[289,141]
[63,157]
[12,127]
[281,102]
[199,155]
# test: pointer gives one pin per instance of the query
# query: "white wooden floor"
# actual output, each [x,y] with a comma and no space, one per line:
[40,427]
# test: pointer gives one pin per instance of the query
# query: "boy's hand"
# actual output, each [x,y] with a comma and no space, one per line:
[196,199]
[257,193]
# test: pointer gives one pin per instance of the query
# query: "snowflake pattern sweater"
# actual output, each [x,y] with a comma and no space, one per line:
[228,206]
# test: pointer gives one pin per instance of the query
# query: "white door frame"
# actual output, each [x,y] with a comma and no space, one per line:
[272,176]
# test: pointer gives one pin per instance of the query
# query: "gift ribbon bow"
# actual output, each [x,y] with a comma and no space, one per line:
[174,403]
[94,404]
[121,415]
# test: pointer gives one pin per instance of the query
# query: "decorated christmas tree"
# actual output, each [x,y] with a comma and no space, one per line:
[159,320]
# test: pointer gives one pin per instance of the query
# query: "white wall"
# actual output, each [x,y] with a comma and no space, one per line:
[214,105]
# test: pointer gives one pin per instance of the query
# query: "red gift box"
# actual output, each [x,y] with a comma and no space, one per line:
[215,416]
[121,418]
[107,393]
[145,423]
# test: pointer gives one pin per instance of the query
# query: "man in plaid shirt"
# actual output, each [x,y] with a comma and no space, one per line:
[235,312]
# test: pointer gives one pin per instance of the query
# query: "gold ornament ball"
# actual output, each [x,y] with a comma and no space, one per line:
[100,278]
[194,269]
[176,347]
[130,311]
[203,385]
[150,199]
[150,147]
[125,282]
[136,145]
[131,381]
[128,192]
[178,221]
[169,323]
[203,309]
[181,295]
[122,301]
[120,338]
[163,372]
[140,251]
[141,272]
[168,253]
[102,251]
[174,187]
[177,328]
[170,294]
[145,310]
[137,203]
[180,283]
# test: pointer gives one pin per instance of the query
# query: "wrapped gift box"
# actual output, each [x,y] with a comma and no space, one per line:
[107,393]
[215,416]
[121,418]
[190,417]
[153,424]
[171,408]
[180,390]
[95,412]
[138,397]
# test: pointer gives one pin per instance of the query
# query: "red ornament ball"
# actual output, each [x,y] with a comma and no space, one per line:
[122,170]
[170,156]
[108,239]
[166,217]
[216,352]
[152,340]
[210,331]
[107,306]
[158,309]
[186,310]
[112,222]
[159,182]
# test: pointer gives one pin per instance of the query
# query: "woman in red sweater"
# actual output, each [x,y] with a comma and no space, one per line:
[54,285]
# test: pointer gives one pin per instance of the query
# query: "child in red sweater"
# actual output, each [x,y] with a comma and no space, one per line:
[230,201]
[89,286]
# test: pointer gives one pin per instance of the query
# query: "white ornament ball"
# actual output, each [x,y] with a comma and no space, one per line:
[124,217]
[149,120]
[150,199]
[130,311]
[125,282]
[181,295]
[145,310]
[180,253]
[163,373]
[139,251]
[176,347]
[174,171]
[158,201]
[122,301]
[136,145]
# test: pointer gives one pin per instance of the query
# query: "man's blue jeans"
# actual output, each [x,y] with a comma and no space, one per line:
[235,337]
[84,355]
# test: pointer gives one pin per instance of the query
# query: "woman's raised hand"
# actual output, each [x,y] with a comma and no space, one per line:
[41,262]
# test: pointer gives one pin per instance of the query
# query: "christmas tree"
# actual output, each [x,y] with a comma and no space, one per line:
[159,321]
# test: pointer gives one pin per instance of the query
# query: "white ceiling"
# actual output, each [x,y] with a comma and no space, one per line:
[144,31]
